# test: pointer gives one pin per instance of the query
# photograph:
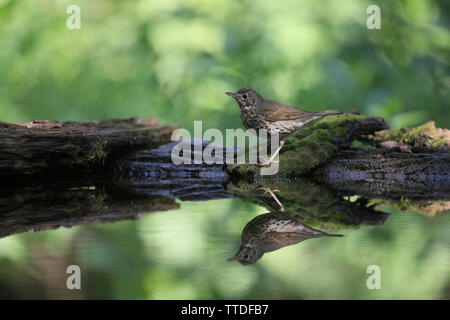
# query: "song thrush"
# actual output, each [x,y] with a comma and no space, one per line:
[259,113]
[272,231]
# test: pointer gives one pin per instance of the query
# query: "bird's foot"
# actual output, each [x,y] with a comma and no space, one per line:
[272,193]
[271,160]
[267,163]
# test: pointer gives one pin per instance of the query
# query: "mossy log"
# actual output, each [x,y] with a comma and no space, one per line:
[312,147]
[316,143]
[426,135]
[51,147]
[347,168]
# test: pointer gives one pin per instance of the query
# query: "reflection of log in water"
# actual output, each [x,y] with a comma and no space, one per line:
[43,207]
[70,202]
[312,203]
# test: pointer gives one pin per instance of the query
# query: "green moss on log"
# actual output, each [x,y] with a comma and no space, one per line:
[94,154]
[428,208]
[316,143]
[313,145]
[425,135]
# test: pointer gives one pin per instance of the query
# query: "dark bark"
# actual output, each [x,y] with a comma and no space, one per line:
[51,147]
[147,170]
[389,173]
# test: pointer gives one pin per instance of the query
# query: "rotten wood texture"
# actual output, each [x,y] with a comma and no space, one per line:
[51,147]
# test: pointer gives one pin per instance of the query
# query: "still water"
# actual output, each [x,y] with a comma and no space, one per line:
[179,249]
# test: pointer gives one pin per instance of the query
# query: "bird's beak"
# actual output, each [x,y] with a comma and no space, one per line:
[231,94]
[233,258]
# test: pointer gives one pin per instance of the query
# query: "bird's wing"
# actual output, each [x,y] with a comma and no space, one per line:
[277,240]
[274,111]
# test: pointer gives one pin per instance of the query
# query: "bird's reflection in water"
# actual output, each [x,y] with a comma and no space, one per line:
[272,231]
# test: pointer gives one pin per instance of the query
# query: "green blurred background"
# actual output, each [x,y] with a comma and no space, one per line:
[174,60]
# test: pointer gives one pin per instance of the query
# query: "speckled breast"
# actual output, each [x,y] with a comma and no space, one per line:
[252,120]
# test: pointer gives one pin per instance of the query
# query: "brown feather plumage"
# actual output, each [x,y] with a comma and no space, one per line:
[259,113]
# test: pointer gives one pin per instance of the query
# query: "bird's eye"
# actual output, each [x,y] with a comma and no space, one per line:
[246,256]
[245,96]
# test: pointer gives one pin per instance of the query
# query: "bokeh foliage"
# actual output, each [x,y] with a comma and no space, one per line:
[174,59]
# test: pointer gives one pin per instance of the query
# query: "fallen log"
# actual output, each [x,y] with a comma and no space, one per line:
[147,171]
[317,143]
[426,135]
[388,173]
[318,166]
[51,147]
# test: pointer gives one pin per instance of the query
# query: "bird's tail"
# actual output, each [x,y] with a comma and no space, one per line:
[352,111]
[329,113]
[334,235]
[335,112]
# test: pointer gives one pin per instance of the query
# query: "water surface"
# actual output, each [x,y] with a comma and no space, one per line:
[182,254]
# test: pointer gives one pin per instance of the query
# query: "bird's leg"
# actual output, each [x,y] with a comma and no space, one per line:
[269,162]
[272,193]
